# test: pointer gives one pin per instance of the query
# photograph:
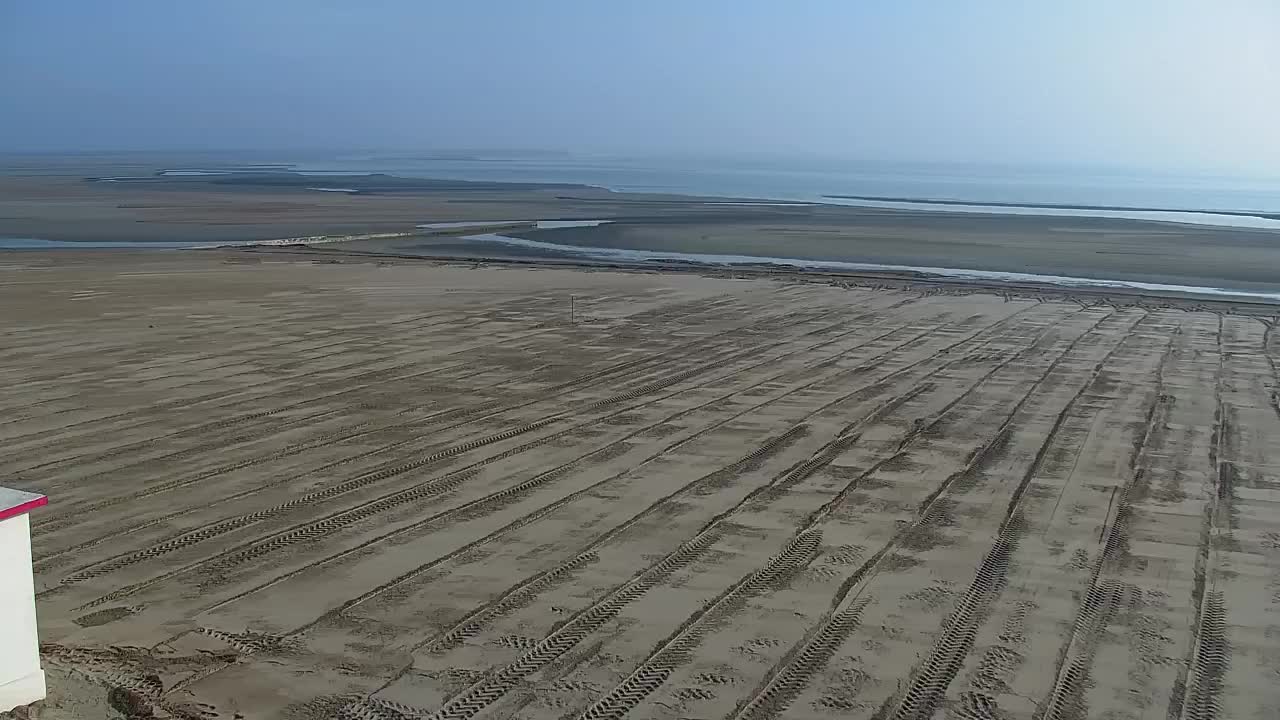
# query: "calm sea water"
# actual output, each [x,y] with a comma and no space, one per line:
[783,181]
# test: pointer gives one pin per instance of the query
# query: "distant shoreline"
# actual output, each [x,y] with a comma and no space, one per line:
[1054,206]
[388,213]
[374,182]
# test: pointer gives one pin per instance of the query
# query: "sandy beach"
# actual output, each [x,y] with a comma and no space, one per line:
[639,361]
[285,487]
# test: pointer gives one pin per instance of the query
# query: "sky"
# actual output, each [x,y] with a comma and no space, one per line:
[1127,83]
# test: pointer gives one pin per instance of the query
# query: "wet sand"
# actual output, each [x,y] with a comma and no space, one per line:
[292,489]
[196,209]
[1083,247]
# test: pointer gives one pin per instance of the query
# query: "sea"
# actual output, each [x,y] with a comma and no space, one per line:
[1209,199]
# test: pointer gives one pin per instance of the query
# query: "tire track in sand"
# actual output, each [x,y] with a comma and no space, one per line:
[792,476]
[797,474]
[303,385]
[1209,655]
[794,555]
[930,681]
[1104,595]
[368,380]
[292,385]
[654,671]
[464,414]
[511,493]
[324,526]
[221,527]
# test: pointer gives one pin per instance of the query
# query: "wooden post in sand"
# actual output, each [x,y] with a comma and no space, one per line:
[571,299]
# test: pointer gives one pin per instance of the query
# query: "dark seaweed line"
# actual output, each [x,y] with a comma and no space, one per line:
[654,671]
[793,673]
[200,534]
[1071,670]
[500,682]
[1210,653]
[932,679]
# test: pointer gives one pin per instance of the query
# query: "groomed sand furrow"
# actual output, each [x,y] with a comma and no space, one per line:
[792,476]
[800,665]
[933,678]
[654,671]
[537,514]
[764,494]
[1210,652]
[404,496]
[1102,598]
[653,361]
[366,380]
[523,593]
[464,412]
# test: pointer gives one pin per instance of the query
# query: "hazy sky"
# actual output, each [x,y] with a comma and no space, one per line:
[1125,82]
